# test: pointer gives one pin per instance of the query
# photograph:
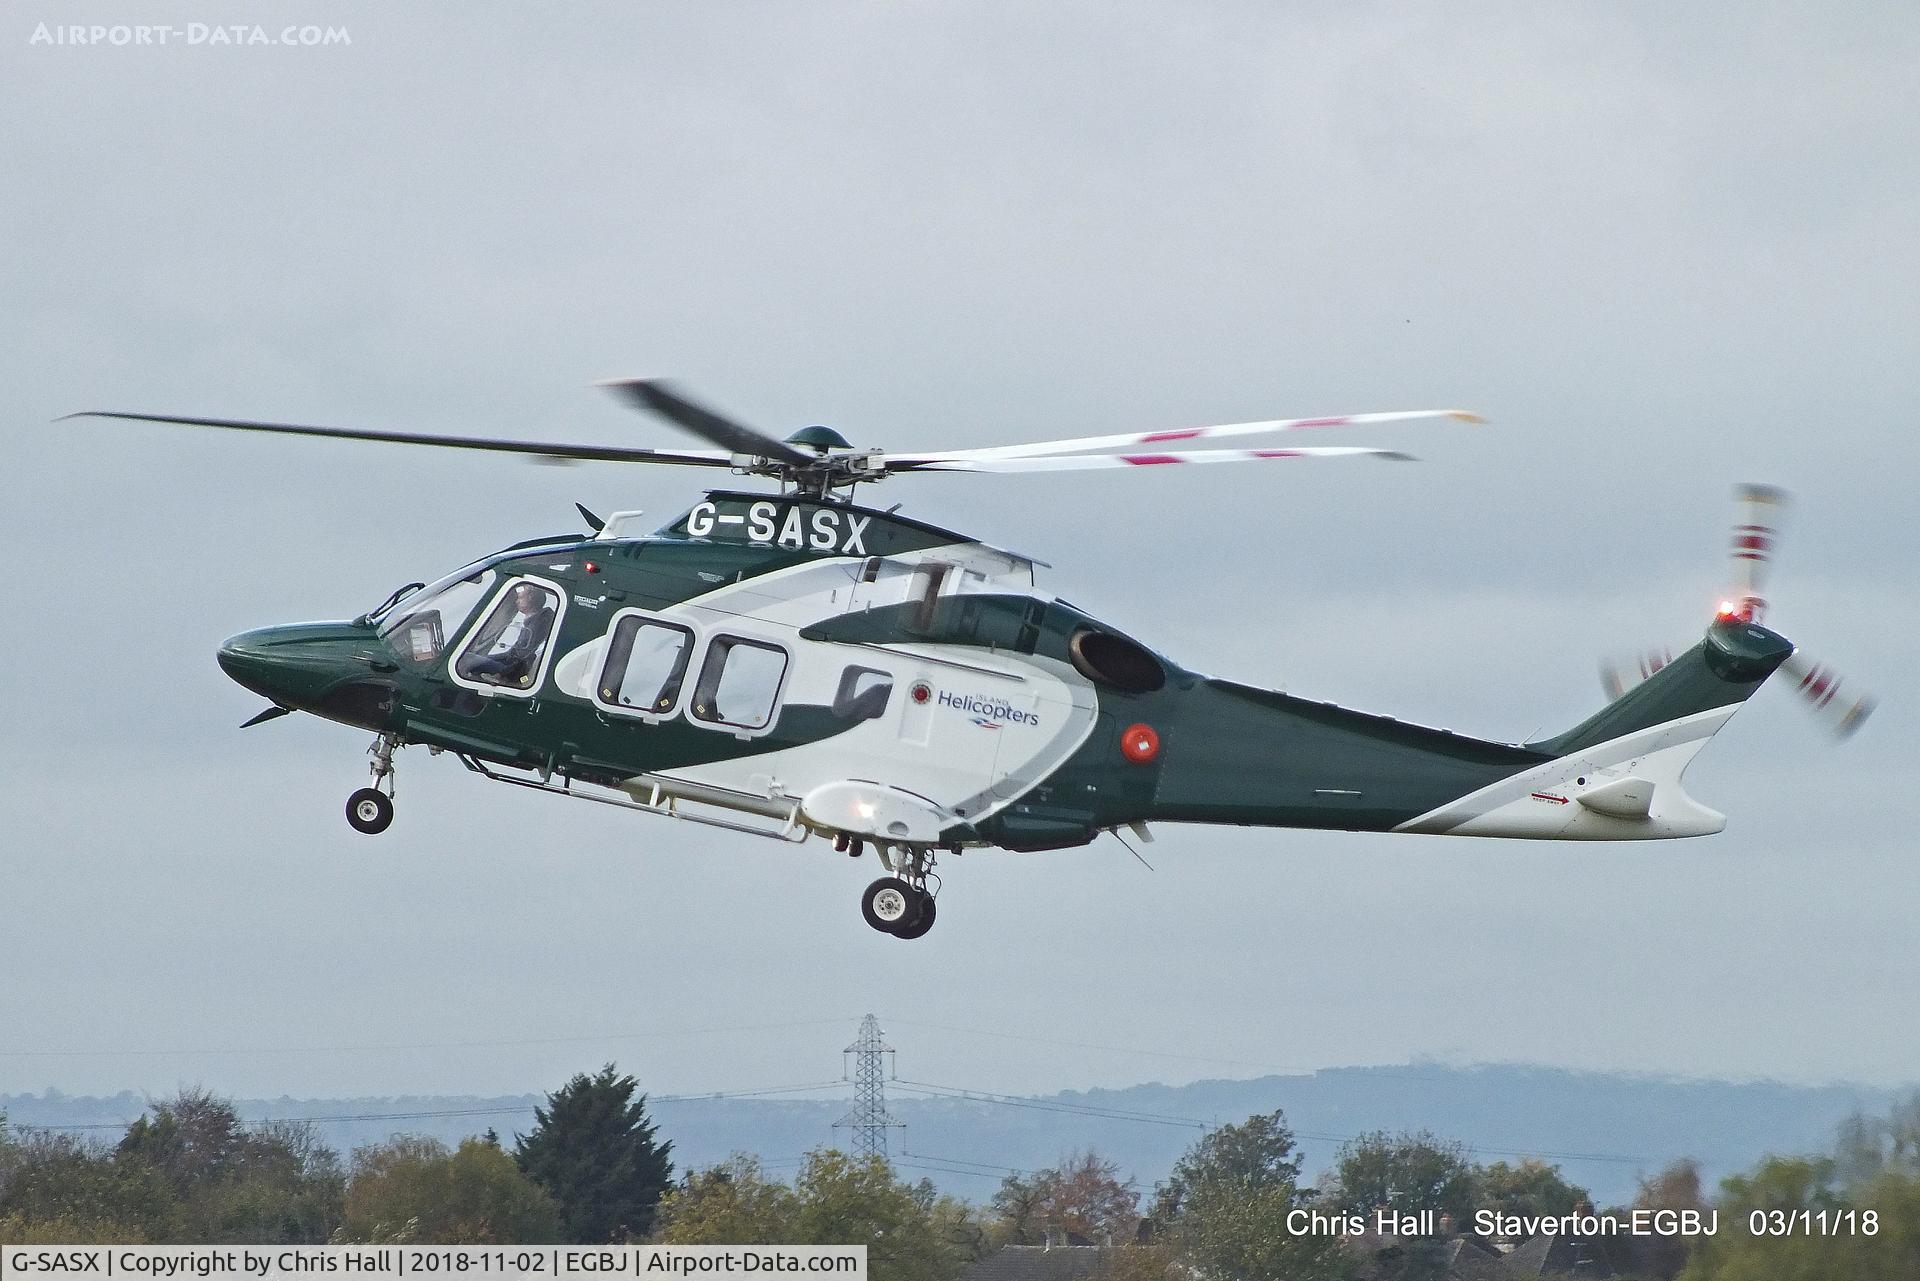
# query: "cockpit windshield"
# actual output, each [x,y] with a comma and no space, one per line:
[424,624]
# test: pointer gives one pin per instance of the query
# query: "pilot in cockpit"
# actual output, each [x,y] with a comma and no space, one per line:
[509,646]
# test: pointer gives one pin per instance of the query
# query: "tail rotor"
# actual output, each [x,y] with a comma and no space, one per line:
[1755,538]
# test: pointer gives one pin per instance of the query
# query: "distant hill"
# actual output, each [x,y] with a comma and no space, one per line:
[1603,1130]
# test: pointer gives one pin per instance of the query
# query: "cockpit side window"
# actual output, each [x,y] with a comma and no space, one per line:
[424,624]
[740,683]
[646,665]
[507,648]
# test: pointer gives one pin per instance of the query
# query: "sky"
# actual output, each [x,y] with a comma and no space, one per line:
[1663,250]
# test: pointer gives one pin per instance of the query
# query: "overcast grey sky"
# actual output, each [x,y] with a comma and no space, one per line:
[1661,251]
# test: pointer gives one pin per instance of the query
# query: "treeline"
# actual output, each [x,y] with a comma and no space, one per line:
[593,1170]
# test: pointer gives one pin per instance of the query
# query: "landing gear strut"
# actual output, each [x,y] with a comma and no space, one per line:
[370,810]
[901,904]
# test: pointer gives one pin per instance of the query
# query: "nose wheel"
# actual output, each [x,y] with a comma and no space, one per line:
[370,809]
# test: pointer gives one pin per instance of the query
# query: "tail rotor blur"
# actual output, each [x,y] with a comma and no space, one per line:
[1842,710]
[1756,536]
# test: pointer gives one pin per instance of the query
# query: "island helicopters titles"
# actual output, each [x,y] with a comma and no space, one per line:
[793,664]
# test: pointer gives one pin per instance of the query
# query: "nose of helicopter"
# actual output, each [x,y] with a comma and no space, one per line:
[302,665]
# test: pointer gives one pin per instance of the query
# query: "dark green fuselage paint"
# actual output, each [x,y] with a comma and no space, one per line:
[1228,753]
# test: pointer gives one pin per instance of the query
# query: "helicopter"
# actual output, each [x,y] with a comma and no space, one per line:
[792,664]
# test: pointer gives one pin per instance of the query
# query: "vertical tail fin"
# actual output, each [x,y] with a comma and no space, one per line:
[1723,670]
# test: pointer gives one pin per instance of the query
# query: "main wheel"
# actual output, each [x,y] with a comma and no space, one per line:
[921,923]
[369,811]
[890,903]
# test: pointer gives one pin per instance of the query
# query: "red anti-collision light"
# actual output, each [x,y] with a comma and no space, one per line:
[592,568]
[1140,744]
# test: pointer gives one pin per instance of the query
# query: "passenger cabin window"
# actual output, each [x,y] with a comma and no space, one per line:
[424,624]
[740,683]
[646,665]
[507,647]
[863,693]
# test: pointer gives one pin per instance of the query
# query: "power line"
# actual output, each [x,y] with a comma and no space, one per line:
[941,1169]
[1110,1049]
[374,1047]
[1288,1069]
[1047,1105]
[517,1110]
[982,1169]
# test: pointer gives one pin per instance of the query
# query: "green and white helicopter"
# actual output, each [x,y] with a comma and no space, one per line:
[793,664]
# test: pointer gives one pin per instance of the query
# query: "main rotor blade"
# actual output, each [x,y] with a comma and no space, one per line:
[1091,462]
[1081,444]
[659,397]
[1755,534]
[1844,712]
[538,449]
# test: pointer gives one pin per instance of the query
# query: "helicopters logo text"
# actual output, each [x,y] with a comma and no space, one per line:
[988,713]
[823,529]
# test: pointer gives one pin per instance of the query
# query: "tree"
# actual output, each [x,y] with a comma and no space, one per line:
[593,1149]
[1531,1188]
[1677,1187]
[911,1234]
[186,1171]
[1787,1185]
[1257,1153]
[1224,1209]
[269,1183]
[729,1204]
[1085,1197]
[56,1189]
[1868,1145]
[1017,1211]
[414,1189]
[1406,1173]
[844,1200]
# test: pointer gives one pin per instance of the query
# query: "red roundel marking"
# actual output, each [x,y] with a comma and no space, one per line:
[1140,744]
[921,692]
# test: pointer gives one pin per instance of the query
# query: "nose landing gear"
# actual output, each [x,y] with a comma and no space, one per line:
[370,810]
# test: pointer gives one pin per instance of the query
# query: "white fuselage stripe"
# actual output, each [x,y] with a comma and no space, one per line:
[1688,729]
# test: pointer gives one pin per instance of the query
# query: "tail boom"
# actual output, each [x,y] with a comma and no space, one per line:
[1617,776]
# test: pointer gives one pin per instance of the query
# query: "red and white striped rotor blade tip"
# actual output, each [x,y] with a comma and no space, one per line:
[1843,709]
[1094,462]
[1187,435]
[1756,533]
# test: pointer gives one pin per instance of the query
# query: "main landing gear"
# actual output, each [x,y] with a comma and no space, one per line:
[901,904]
[370,809]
